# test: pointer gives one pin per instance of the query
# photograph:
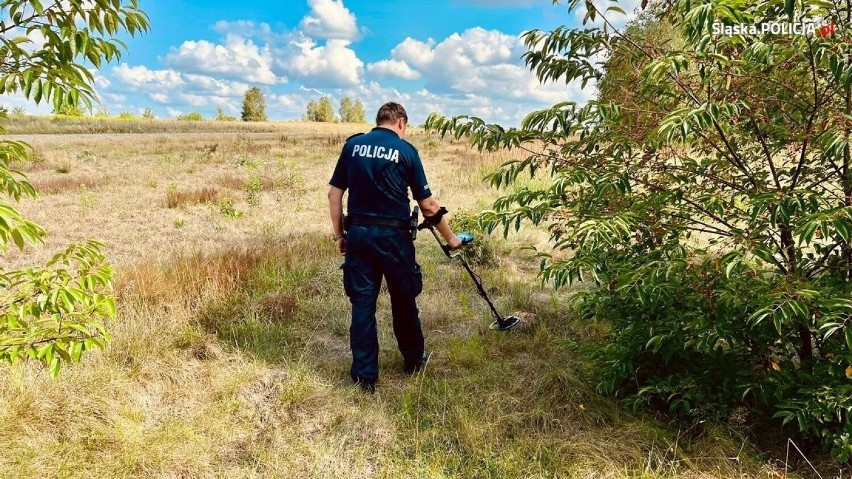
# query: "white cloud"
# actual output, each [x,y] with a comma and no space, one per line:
[246,28]
[116,99]
[478,72]
[462,62]
[35,39]
[100,81]
[395,68]
[197,100]
[237,58]
[160,82]
[482,63]
[140,78]
[161,98]
[414,52]
[329,19]
[333,64]
[285,101]
[206,84]
[180,90]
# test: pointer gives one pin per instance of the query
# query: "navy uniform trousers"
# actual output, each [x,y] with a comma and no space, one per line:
[373,252]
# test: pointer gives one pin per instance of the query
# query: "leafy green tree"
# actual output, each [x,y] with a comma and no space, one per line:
[310,111]
[320,110]
[53,313]
[717,241]
[254,105]
[352,111]
[148,114]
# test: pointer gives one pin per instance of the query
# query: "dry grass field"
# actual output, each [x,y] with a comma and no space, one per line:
[230,353]
[148,195]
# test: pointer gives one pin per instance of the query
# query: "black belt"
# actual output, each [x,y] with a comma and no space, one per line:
[377,221]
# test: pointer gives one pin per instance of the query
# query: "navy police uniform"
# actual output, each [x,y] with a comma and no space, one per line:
[378,168]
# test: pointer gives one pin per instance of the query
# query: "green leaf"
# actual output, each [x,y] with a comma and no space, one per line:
[17,238]
[55,366]
[60,351]
[849,338]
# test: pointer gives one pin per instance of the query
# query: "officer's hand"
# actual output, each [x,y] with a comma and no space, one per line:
[455,243]
[341,246]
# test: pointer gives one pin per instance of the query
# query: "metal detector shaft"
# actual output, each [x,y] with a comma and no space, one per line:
[444,248]
[478,284]
[481,290]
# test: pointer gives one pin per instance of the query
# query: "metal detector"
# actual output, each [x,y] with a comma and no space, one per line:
[500,323]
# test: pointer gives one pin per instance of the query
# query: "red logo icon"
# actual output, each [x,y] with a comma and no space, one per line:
[826,30]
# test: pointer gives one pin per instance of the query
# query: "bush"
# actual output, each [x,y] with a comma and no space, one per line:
[708,207]
[481,250]
[191,116]
[221,116]
[70,110]
[228,210]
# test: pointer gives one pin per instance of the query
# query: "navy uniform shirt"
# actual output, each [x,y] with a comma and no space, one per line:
[378,168]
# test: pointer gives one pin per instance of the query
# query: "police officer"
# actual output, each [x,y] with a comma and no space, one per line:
[378,168]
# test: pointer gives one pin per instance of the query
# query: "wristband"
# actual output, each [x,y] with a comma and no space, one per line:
[436,218]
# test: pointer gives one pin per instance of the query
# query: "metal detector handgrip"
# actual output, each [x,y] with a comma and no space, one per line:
[465,237]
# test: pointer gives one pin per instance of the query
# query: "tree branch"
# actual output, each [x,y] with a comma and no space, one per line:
[805,140]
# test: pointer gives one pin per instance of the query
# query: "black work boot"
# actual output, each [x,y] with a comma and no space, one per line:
[414,368]
[369,387]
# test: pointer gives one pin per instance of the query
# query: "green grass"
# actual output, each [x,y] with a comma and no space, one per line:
[236,365]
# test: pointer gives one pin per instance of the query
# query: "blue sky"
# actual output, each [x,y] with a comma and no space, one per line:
[450,56]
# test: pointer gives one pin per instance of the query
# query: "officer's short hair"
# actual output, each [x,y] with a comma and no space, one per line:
[391,112]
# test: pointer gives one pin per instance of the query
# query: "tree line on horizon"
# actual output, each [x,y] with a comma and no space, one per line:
[350,110]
